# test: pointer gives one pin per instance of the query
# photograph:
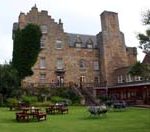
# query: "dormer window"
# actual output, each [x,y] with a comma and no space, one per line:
[78,42]
[44,29]
[59,44]
[90,46]
[78,45]
[89,43]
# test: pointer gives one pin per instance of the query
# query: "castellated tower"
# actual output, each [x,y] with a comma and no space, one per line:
[112,47]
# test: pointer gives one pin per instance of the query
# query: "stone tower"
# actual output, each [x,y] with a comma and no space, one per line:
[111,47]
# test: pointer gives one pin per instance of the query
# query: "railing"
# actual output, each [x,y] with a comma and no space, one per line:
[55,85]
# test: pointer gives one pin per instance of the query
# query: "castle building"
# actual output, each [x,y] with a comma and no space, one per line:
[79,58]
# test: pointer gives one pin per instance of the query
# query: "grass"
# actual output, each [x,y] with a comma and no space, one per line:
[79,120]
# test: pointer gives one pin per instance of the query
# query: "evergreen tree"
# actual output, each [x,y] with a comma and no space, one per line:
[26,49]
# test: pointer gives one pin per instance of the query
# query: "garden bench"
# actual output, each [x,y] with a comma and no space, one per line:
[41,116]
[62,109]
[22,116]
[56,109]
[30,113]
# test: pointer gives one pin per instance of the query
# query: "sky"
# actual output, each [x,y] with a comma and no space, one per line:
[78,16]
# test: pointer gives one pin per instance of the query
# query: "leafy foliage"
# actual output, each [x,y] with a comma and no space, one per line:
[56,99]
[12,102]
[140,69]
[144,39]
[9,81]
[26,49]
[29,99]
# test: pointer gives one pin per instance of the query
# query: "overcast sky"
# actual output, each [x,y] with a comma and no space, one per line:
[78,16]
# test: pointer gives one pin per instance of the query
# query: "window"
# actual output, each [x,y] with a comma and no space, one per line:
[42,77]
[60,64]
[78,45]
[78,41]
[96,65]
[89,43]
[90,46]
[42,62]
[137,78]
[59,44]
[82,64]
[43,41]
[120,79]
[128,78]
[44,29]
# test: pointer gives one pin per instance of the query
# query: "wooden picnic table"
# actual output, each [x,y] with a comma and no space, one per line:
[56,109]
[30,113]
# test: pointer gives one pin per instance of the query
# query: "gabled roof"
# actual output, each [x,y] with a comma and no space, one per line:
[72,38]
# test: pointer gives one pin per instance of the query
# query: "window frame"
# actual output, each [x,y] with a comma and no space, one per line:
[44,29]
[59,44]
[42,62]
[59,64]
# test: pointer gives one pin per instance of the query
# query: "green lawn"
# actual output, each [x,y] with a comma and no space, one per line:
[79,120]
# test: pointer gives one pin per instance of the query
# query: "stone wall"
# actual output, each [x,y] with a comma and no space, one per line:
[111,52]
[71,56]
[112,47]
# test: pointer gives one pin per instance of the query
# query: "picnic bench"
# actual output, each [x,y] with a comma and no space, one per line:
[30,113]
[57,109]
[18,106]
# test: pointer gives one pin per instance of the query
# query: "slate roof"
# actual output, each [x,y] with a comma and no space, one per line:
[73,38]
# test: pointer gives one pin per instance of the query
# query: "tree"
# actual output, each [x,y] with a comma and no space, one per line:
[9,81]
[141,70]
[26,49]
[144,39]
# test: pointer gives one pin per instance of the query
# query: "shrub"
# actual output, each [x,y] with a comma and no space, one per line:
[56,99]
[29,99]
[12,102]
[42,104]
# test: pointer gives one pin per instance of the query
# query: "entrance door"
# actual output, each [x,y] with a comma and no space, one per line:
[60,80]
